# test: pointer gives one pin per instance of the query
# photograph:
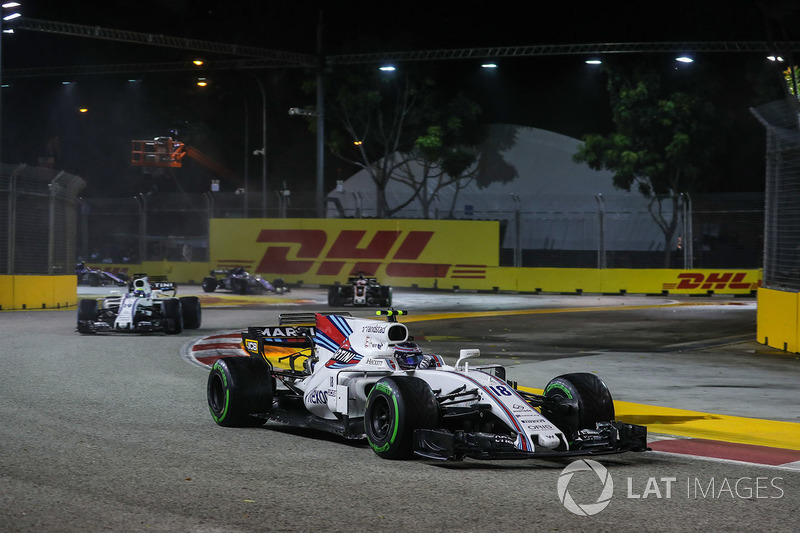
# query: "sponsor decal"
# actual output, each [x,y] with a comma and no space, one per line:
[251,346]
[309,244]
[285,332]
[373,329]
[317,397]
[712,281]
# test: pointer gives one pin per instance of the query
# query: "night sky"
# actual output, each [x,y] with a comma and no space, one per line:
[561,94]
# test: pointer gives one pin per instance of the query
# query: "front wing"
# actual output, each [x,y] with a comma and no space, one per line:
[609,437]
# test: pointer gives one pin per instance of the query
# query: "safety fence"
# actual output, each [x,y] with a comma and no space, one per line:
[590,231]
[782,224]
[39,213]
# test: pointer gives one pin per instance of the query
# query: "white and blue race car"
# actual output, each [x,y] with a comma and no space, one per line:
[341,374]
[149,305]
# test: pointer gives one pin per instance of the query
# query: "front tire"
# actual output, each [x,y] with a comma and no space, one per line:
[593,399]
[87,312]
[396,406]
[238,388]
[335,296]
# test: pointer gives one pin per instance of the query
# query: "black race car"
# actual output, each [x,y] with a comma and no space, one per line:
[239,281]
[360,290]
[95,277]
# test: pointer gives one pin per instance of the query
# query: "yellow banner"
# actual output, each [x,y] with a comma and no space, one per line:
[326,251]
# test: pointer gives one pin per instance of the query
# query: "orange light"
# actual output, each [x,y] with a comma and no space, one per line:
[83,110]
[201,82]
[358,143]
[198,62]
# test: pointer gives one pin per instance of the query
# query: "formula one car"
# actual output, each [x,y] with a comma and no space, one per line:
[342,375]
[149,305]
[95,277]
[360,290]
[240,281]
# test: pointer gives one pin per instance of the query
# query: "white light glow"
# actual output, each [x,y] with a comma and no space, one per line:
[593,62]
[489,65]
[12,16]
[388,68]
[684,59]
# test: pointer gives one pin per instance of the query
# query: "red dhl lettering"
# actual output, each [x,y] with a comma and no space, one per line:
[310,244]
[712,281]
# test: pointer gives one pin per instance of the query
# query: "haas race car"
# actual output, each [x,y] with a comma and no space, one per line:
[360,290]
[359,377]
[149,305]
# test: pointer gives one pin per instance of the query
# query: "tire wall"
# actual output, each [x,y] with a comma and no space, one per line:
[779,319]
[38,292]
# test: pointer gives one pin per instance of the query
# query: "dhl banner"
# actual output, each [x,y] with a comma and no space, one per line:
[405,253]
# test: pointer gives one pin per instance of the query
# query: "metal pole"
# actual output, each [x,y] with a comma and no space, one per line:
[320,124]
[517,229]
[688,251]
[601,236]
[246,153]
[142,227]
[263,149]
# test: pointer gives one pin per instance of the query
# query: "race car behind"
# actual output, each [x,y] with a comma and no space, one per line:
[149,305]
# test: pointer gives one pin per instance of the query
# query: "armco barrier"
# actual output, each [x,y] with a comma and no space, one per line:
[37,292]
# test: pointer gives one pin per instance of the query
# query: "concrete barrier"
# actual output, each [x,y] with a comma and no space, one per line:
[21,292]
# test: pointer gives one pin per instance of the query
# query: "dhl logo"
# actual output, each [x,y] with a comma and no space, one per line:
[301,251]
[712,281]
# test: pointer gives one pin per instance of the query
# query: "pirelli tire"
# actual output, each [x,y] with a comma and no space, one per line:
[209,284]
[191,311]
[335,296]
[238,389]
[396,407]
[172,316]
[87,313]
[590,396]
[387,296]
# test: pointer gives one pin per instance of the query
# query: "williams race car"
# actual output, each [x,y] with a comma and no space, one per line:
[359,378]
[358,291]
[240,281]
[149,305]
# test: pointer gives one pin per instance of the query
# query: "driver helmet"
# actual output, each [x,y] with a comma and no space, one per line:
[408,355]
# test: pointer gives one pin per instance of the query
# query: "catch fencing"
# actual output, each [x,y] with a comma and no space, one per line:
[594,231]
[38,210]
[782,222]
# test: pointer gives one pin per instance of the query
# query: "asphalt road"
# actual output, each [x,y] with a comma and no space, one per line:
[112,432]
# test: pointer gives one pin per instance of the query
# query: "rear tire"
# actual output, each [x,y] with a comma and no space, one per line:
[192,312]
[171,313]
[593,400]
[396,406]
[240,286]
[209,284]
[238,388]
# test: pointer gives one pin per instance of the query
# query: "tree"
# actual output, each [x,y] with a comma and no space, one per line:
[657,143]
[403,128]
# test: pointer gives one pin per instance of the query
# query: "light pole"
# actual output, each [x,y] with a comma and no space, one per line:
[4,17]
[263,150]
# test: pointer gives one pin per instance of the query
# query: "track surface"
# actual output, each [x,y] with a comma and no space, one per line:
[112,432]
